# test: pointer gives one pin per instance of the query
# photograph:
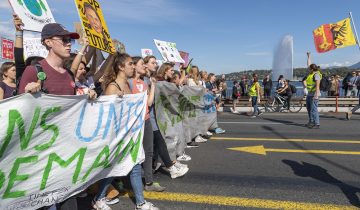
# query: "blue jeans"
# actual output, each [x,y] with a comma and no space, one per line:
[312,109]
[104,185]
[136,184]
[254,104]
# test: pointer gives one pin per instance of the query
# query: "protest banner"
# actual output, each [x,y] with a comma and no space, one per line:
[146,52]
[53,147]
[168,51]
[33,47]
[33,13]
[181,115]
[94,25]
[7,49]
[185,57]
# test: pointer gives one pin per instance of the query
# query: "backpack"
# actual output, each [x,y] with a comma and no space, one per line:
[293,88]
[325,83]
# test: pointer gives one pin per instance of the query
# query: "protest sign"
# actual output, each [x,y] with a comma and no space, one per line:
[53,147]
[7,48]
[33,13]
[94,24]
[185,57]
[33,47]
[79,29]
[168,51]
[146,52]
[190,110]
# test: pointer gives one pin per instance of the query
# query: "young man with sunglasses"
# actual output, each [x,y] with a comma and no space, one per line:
[55,79]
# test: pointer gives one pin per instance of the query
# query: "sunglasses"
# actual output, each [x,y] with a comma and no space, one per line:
[65,40]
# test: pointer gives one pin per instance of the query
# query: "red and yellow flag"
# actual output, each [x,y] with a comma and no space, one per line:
[334,35]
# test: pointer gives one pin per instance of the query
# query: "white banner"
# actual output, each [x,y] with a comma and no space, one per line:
[33,47]
[168,51]
[52,147]
[34,14]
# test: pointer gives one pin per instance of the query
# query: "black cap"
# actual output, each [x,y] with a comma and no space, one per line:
[55,29]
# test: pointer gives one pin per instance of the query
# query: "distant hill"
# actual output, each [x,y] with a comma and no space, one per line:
[355,66]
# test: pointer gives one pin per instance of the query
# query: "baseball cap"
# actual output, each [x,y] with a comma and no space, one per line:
[56,29]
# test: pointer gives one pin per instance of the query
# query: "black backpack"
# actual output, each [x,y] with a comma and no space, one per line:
[293,89]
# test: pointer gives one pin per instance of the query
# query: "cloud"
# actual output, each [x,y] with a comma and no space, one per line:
[258,53]
[335,64]
[5,5]
[7,30]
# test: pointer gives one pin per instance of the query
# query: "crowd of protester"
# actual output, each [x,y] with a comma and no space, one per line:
[65,73]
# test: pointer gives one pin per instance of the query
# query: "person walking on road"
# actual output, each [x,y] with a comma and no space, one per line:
[312,85]
[254,93]
[267,82]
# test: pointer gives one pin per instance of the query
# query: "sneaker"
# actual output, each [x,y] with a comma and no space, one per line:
[157,166]
[348,115]
[154,187]
[200,139]
[177,172]
[112,201]
[192,145]
[315,127]
[219,131]
[100,204]
[260,113]
[177,164]
[146,206]
[252,116]
[184,157]
[309,124]
[208,133]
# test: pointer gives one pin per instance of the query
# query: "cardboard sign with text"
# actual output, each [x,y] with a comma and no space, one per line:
[7,49]
[94,24]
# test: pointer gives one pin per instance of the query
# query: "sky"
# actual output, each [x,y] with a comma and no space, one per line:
[221,36]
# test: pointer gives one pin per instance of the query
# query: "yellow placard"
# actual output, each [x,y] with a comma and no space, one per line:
[94,25]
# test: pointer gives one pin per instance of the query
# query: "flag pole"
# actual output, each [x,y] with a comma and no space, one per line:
[356,35]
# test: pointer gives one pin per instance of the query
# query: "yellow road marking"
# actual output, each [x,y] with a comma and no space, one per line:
[289,140]
[241,202]
[261,150]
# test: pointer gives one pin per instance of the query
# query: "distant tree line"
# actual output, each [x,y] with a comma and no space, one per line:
[298,73]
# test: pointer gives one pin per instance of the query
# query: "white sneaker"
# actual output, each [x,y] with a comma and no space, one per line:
[177,172]
[200,139]
[112,201]
[146,206]
[177,164]
[208,133]
[101,205]
[184,157]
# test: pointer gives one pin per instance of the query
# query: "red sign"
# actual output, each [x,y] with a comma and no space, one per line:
[7,49]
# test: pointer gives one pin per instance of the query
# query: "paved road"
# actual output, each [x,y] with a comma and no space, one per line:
[284,178]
